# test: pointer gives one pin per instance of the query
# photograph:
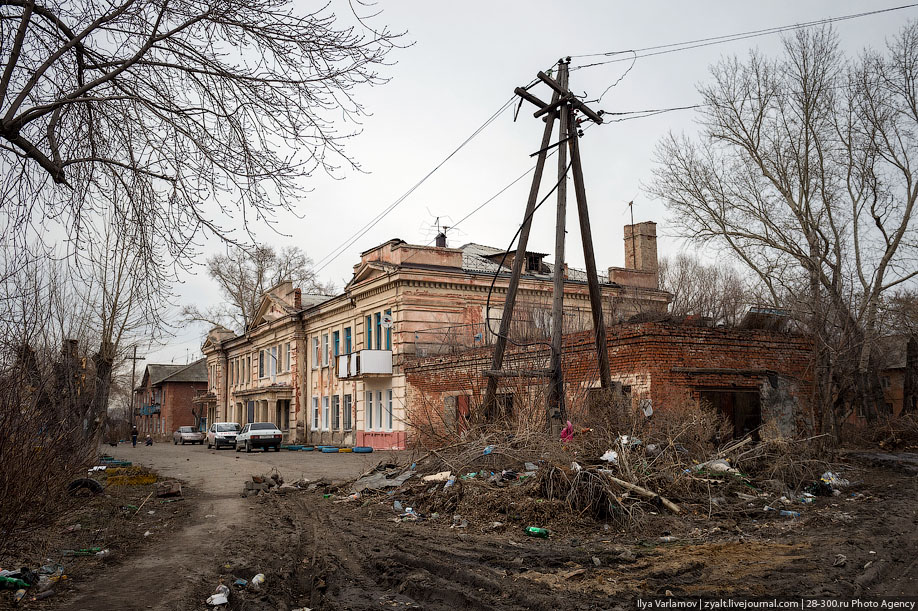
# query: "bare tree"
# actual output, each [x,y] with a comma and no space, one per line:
[717,292]
[803,171]
[244,275]
[203,111]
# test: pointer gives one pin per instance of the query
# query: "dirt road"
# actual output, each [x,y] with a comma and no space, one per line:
[175,567]
[328,552]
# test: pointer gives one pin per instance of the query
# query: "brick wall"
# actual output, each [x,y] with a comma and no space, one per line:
[658,361]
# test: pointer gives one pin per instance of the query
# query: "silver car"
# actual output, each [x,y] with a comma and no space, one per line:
[187,434]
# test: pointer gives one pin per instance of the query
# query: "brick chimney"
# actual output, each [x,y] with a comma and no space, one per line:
[441,240]
[641,247]
[297,298]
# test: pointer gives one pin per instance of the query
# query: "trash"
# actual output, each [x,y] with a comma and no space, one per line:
[840,560]
[531,466]
[568,432]
[98,468]
[597,561]
[353,497]
[87,551]
[784,512]
[488,450]
[380,480]
[833,480]
[153,511]
[241,583]
[535,531]
[220,597]
[575,467]
[611,457]
[449,482]
[326,496]
[469,475]
[668,539]
[147,534]
[397,506]
[44,595]
[495,526]
[168,489]
[718,465]
[83,486]
[257,581]
[210,515]
[442,476]
[10,583]
[410,515]
[102,553]
[19,595]
[459,522]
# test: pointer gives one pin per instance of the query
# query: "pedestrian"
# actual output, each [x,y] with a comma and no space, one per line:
[149,441]
[134,436]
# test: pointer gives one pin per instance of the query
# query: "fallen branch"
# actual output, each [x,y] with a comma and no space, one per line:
[644,492]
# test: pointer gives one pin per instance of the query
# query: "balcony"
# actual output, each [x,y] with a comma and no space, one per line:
[365,363]
[149,410]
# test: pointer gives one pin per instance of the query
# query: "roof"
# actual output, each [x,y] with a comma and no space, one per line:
[476,258]
[194,372]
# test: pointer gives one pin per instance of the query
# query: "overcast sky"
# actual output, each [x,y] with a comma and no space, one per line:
[465,60]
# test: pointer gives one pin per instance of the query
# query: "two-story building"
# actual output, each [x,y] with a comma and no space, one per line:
[331,370]
[164,400]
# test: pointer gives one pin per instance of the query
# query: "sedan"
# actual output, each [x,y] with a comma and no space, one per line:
[259,435]
[187,434]
[222,434]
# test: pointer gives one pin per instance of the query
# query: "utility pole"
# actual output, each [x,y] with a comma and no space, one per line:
[134,360]
[563,103]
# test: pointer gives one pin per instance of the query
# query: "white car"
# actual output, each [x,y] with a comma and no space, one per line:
[259,435]
[222,434]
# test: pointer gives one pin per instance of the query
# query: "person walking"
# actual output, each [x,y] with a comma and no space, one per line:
[134,434]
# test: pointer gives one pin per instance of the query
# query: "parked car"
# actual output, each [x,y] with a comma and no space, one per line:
[259,435]
[222,434]
[187,434]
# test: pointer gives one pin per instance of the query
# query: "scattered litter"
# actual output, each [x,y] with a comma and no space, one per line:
[449,482]
[98,468]
[10,583]
[380,480]
[468,475]
[87,551]
[597,561]
[535,531]
[147,534]
[168,489]
[211,515]
[241,583]
[840,560]
[611,457]
[257,581]
[459,522]
[152,512]
[531,466]
[220,597]
[834,480]
[102,553]
[575,467]
[784,512]
[19,595]
[397,506]
[668,539]
[442,476]
[488,450]
[567,433]
[718,465]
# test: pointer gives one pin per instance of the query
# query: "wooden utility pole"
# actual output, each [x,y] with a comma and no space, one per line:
[563,103]
[133,360]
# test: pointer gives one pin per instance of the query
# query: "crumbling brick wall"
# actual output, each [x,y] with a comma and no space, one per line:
[656,360]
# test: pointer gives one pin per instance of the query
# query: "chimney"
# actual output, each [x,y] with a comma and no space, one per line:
[641,247]
[297,298]
[441,240]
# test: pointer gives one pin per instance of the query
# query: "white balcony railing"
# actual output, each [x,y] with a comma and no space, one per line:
[365,363]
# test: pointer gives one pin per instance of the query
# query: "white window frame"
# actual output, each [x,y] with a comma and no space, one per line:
[315,413]
[325,350]
[325,413]
[261,364]
[272,362]
[287,362]
[315,352]
[336,413]
[379,410]
[389,409]
[368,411]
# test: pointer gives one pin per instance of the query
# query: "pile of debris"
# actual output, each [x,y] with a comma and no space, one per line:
[273,483]
[499,479]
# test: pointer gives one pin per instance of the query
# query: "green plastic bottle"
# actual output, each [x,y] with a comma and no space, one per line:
[535,531]
[11,583]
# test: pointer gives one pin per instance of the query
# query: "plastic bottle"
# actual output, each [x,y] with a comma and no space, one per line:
[258,580]
[19,595]
[535,531]
[11,582]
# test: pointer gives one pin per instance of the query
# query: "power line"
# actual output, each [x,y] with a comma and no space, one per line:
[339,250]
[716,40]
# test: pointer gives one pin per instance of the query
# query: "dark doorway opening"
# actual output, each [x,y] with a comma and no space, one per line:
[742,408]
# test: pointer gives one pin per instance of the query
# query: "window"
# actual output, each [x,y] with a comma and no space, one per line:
[315,353]
[248,370]
[315,413]
[336,336]
[377,318]
[379,410]
[231,374]
[273,366]
[287,358]
[347,412]
[336,412]
[347,340]
[389,410]
[369,408]
[261,363]
[368,328]
[325,414]
[389,330]
[325,350]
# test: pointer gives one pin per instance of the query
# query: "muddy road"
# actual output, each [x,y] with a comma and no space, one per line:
[320,550]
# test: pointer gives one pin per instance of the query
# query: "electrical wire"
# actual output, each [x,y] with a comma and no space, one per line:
[527,219]
[716,40]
